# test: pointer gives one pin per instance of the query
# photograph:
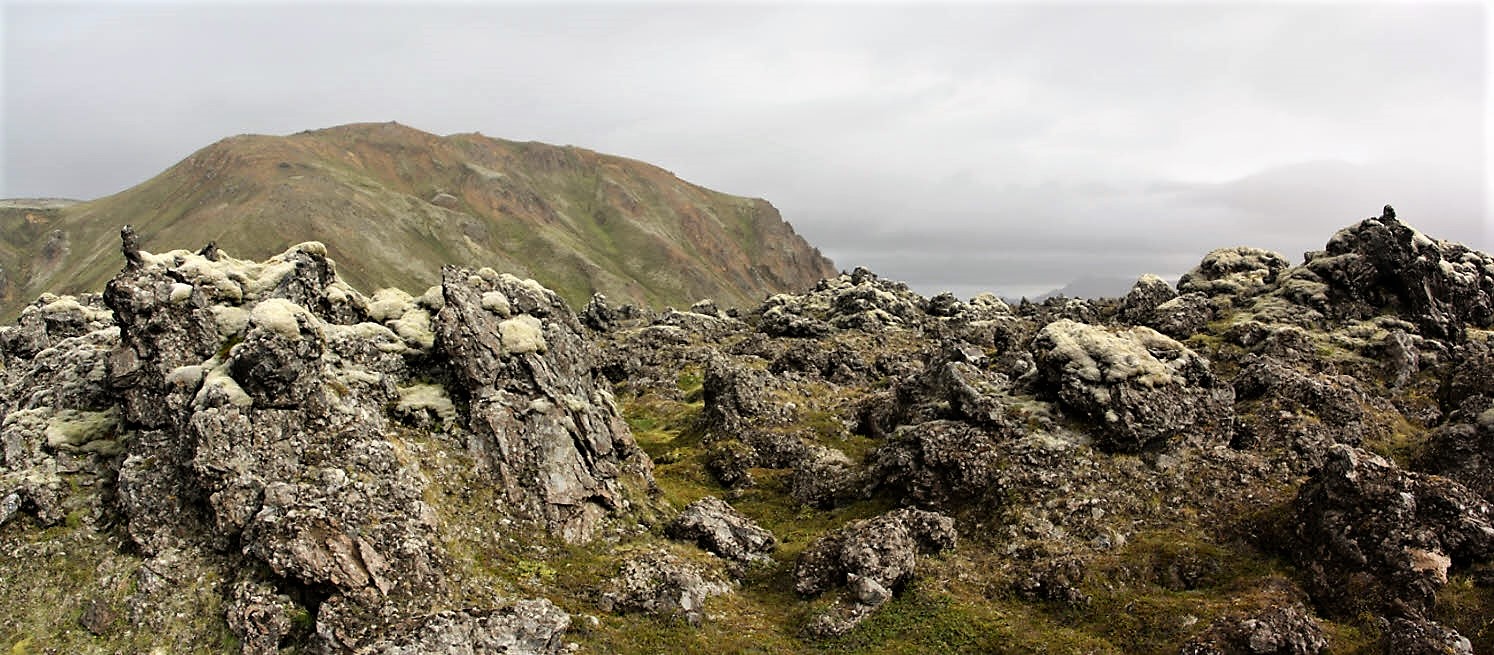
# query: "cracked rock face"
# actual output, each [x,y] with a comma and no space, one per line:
[273,444]
[542,420]
[1140,387]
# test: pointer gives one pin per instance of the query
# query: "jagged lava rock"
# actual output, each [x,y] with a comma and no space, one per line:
[1289,630]
[1144,297]
[1372,537]
[1416,636]
[1441,286]
[663,583]
[855,301]
[1181,317]
[254,400]
[1236,271]
[529,627]
[1463,452]
[1287,395]
[873,559]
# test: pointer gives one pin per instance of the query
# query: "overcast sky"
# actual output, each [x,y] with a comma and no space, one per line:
[1002,146]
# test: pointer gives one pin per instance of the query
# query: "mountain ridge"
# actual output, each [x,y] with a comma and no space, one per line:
[395,203]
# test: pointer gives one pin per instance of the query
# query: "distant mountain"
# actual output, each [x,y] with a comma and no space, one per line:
[1092,286]
[394,204]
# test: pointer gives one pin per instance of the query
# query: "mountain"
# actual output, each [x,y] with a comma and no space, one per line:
[1091,286]
[394,204]
[226,456]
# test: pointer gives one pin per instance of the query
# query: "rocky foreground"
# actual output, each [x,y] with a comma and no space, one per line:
[219,455]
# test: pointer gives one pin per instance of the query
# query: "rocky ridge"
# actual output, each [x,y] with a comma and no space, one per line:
[1268,458]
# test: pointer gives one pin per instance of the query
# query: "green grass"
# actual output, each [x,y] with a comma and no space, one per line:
[1468,607]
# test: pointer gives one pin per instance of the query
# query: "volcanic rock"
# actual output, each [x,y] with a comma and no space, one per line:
[721,529]
[1139,387]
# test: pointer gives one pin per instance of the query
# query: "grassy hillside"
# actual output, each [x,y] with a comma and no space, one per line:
[394,204]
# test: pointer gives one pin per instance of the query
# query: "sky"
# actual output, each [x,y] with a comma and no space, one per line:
[1008,147]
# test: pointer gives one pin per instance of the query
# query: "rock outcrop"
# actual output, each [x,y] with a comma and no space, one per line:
[664,584]
[1374,538]
[532,627]
[1139,387]
[1288,630]
[242,412]
[540,418]
[1237,271]
[871,560]
[721,529]
[1442,287]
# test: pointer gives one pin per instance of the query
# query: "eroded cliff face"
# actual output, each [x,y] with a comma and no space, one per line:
[250,456]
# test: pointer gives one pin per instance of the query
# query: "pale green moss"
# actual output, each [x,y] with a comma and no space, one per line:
[415,328]
[426,397]
[389,305]
[230,321]
[220,384]
[497,303]
[1099,355]
[281,316]
[522,334]
[72,429]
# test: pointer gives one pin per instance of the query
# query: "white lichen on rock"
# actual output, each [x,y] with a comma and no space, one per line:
[415,328]
[1234,270]
[535,288]
[991,302]
[234,280]
[186,377]
[180,293]
[230,321]
[382,338]
[219,387]
[434,299]
[53,304]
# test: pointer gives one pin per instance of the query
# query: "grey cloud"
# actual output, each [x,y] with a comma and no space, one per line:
[950,145]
